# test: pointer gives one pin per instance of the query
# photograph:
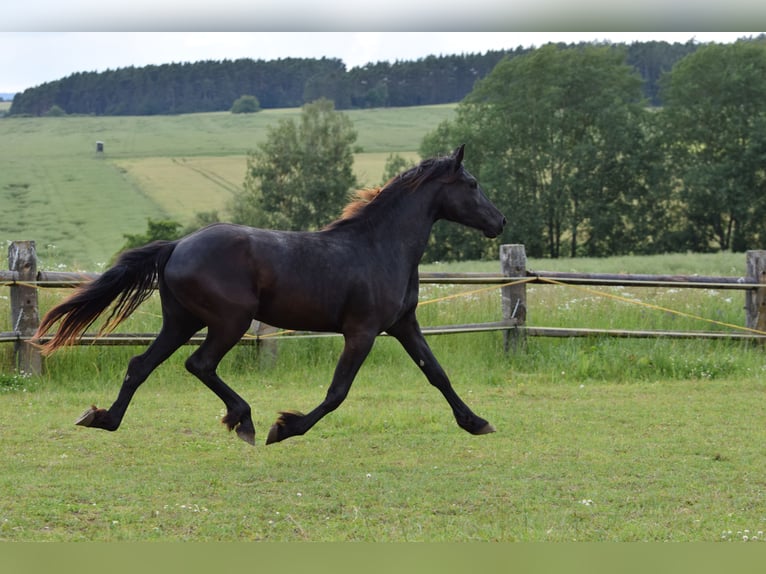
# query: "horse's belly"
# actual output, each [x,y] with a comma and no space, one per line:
[297,317]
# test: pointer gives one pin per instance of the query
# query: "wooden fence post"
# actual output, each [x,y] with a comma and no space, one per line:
[266,346]
[755,299]
[513,263]
[25,318]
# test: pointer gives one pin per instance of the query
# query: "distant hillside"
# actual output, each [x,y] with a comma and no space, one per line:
[6,97]
[214,85]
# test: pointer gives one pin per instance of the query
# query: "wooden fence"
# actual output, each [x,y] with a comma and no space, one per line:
[24,280]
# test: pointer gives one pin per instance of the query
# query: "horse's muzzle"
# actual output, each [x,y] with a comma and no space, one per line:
[497,229]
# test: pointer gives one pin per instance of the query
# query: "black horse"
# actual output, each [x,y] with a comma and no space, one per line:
[358,277]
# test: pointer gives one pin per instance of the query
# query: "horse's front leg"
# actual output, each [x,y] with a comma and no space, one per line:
[355,351]
[407,332]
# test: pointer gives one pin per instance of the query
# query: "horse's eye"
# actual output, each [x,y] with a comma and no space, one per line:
[473,184]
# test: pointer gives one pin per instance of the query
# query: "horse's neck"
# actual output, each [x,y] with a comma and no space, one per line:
[404,231]
[400,233]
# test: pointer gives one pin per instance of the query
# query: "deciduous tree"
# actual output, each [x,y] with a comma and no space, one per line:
[557,137]
[300,177]
[715,122]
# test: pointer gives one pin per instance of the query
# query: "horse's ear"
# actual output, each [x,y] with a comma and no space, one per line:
[458,156]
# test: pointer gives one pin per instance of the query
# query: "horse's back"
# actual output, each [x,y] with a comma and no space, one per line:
[288,279]
[212,249]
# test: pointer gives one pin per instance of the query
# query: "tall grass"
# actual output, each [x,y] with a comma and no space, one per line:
[652,308]
[579,360]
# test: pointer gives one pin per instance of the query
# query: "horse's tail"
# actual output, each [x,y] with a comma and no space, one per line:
[130,282]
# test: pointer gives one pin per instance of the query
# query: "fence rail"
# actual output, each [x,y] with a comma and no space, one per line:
[24,280]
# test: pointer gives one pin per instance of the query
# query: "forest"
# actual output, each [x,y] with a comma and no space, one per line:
[206,86]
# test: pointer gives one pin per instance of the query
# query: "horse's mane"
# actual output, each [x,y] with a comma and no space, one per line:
[364,201]
[359,200]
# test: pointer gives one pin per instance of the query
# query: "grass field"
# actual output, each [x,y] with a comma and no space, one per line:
[53,181]
[184,186]
[574,459]
[598,439]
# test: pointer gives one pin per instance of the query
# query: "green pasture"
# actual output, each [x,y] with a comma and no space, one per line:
[621,461]
[78,204]
[598,439]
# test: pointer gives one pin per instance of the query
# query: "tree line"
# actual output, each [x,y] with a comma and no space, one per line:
[209,86]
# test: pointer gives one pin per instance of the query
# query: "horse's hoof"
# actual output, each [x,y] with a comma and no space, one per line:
[273,435]
[285,417]
[86,418]
[486,429]
[247,436]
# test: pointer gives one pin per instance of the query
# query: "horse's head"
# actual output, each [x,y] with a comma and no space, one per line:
[463,201]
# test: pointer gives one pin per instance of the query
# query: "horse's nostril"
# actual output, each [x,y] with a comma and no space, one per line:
[504,221]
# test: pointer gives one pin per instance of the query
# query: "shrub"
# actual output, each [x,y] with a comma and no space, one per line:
[246,105]
[55,111]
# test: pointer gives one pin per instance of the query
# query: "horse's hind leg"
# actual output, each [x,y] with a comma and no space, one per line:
[176,330]
[203,364]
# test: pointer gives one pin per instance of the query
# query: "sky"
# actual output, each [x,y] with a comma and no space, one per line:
[28,59]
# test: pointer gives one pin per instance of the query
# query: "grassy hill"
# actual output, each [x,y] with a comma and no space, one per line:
[77,204]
